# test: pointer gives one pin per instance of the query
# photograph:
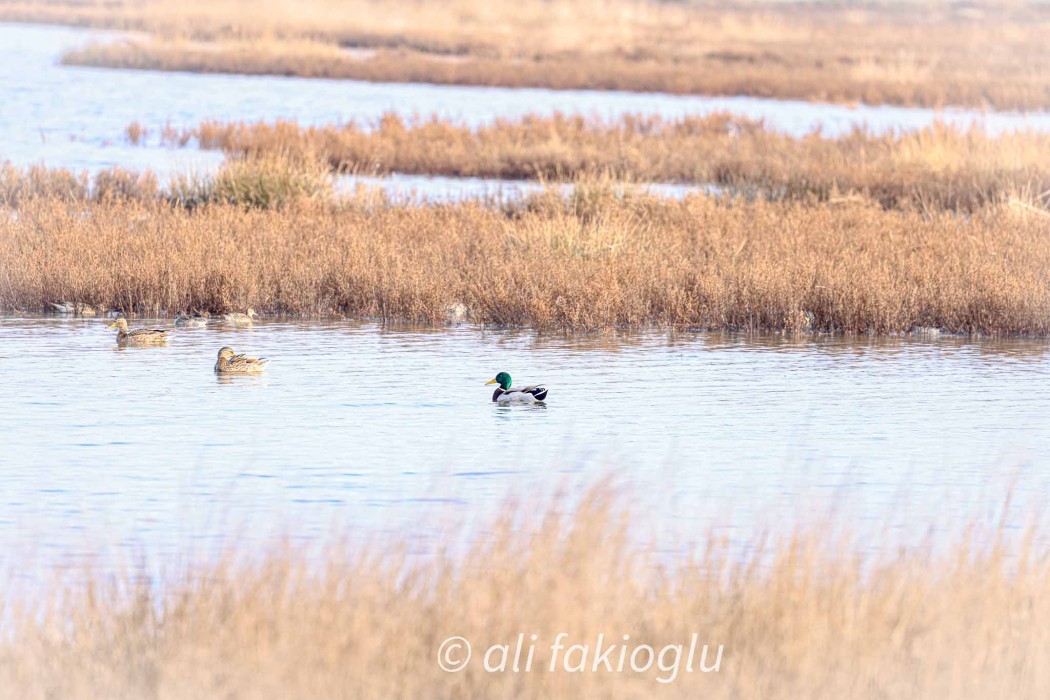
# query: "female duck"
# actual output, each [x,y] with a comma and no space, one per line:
[230,363]
[194,321]
[237,319]
[505,393]
[139,336]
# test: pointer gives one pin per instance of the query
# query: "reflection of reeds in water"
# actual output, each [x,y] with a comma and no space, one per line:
[799,614]
[930,54]
[598,258]
[937,167]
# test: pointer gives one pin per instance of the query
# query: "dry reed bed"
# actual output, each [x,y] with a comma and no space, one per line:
[937,167]
[265,182]
[930,54]
[592,260]
[804,613]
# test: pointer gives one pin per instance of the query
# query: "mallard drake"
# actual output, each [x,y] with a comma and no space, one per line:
[505,393]
[236,319]
[230,363]
[139,336]
[194,321]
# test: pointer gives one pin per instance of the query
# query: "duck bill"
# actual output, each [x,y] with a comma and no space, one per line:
[112,325]
[491,381]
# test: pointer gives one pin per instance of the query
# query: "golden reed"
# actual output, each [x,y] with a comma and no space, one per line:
[938,167]
[796,613]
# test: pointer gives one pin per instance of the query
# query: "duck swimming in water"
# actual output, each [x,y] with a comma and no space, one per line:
[139,336]
[194,321]
[238,319]
[230,363]
[505,393]
[76,309]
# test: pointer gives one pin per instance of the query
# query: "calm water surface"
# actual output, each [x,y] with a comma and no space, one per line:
[75,117]
[384,428]
[376,430]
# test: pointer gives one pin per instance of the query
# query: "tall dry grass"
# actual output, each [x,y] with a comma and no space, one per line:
[798,613]
[18,185]
[931,53]
[937,167]
[268,181]
[598,258]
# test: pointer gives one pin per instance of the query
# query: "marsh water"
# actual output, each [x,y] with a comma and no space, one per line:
[377,430]
[362,429]
[75,117]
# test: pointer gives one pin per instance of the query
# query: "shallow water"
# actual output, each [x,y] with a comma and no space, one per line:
[75,117]
[434,188]
[379,430]
[376,430]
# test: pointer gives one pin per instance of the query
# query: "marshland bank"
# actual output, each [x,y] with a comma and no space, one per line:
[267,234]
[939,167]
[933,55]
[89,133]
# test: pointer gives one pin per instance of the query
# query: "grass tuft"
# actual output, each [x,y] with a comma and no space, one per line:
[272,181]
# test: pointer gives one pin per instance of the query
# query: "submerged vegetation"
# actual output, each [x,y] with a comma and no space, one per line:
[601,256]
[938,167]
[930,54]
[797,613]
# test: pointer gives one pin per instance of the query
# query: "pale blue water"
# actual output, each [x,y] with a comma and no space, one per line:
[375,431]
[385,429]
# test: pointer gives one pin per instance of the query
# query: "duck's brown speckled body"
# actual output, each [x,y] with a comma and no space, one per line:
[230,363]
[139,336]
